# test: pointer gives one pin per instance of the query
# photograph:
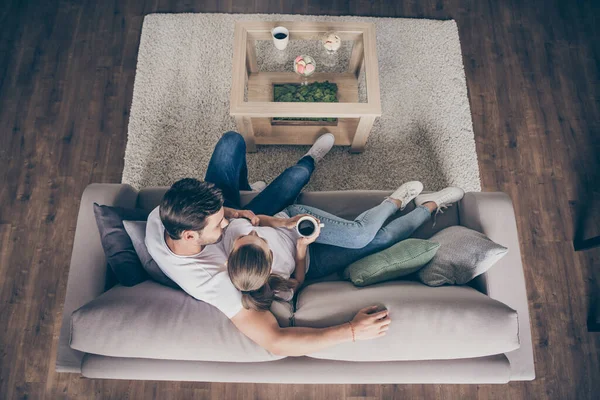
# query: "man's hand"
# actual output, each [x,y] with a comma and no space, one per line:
[369,324]
[249,215]
[296,284]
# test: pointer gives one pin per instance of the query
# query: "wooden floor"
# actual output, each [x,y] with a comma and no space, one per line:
[66,80]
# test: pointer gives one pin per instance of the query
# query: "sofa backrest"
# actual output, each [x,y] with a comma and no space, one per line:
[344,203]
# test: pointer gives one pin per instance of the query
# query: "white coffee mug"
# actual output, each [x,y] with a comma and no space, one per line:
[310,219]
[280,43]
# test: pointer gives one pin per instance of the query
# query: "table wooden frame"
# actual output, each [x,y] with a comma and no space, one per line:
[355,119]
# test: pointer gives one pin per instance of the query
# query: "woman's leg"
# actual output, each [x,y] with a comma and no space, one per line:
[227,168]
[326,259]
[284,190]
[349,234]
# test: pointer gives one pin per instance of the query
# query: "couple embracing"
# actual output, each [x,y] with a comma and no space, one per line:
[240,259]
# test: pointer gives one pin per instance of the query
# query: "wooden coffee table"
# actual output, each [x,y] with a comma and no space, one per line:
[254,113]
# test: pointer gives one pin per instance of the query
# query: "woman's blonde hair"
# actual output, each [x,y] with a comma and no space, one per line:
[249,268]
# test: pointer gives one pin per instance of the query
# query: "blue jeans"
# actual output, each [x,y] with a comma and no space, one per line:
[326,259]
[348,234]
[227,169]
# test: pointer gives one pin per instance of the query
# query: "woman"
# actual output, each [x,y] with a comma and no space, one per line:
[265,262]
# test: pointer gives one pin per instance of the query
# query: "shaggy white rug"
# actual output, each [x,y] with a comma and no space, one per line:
[180,106]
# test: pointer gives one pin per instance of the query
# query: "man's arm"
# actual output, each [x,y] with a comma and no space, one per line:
[262,328]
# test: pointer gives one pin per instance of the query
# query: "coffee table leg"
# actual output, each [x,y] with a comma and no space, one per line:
[357,57]
[362,134]
[245,128]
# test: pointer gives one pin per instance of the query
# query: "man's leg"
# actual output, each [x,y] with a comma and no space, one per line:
[284,190]
[227,168]
[326,259]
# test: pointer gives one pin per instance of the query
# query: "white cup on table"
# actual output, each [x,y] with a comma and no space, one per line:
[281,37]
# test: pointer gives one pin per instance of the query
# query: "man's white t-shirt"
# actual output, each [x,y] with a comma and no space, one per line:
[203,275]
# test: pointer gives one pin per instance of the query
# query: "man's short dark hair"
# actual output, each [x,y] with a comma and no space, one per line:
[187,204]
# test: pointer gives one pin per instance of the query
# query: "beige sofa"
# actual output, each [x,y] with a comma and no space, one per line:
[475,333]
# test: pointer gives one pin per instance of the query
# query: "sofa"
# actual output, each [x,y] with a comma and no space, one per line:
[473,333]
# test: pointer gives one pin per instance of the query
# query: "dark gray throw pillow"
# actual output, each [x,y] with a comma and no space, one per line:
[463,255]
[137,232]
[118,248]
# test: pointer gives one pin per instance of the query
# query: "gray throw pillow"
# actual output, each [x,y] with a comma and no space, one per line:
[137,232]
[463,255]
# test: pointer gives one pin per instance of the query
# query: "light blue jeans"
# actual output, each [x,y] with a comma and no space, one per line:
[348,234]
[342,242]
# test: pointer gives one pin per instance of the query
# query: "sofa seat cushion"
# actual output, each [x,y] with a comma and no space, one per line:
[150,320]
[428,323]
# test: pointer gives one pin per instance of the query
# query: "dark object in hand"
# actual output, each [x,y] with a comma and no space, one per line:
[306,228]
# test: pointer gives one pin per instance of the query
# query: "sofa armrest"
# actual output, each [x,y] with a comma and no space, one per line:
[87,270]
[493,215]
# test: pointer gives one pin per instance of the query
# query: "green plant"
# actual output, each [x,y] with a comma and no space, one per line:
[316,92]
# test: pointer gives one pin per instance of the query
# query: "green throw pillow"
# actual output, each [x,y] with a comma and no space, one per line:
[401,259]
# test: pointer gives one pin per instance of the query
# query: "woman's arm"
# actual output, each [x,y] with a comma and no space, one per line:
[300,271]
[273,222]
[301,250]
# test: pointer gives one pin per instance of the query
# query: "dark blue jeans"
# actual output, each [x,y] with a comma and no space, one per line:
[227,169]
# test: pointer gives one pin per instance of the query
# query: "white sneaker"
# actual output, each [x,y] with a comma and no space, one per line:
[443,198]
[407,192]
[258,186]
[321,147]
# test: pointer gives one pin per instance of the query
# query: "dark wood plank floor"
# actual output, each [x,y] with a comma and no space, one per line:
[66,80]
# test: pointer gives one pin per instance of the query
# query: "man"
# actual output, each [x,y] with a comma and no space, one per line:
[184,233]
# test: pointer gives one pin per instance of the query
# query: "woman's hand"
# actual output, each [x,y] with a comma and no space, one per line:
[369,324]
[305,241]
[290,223]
